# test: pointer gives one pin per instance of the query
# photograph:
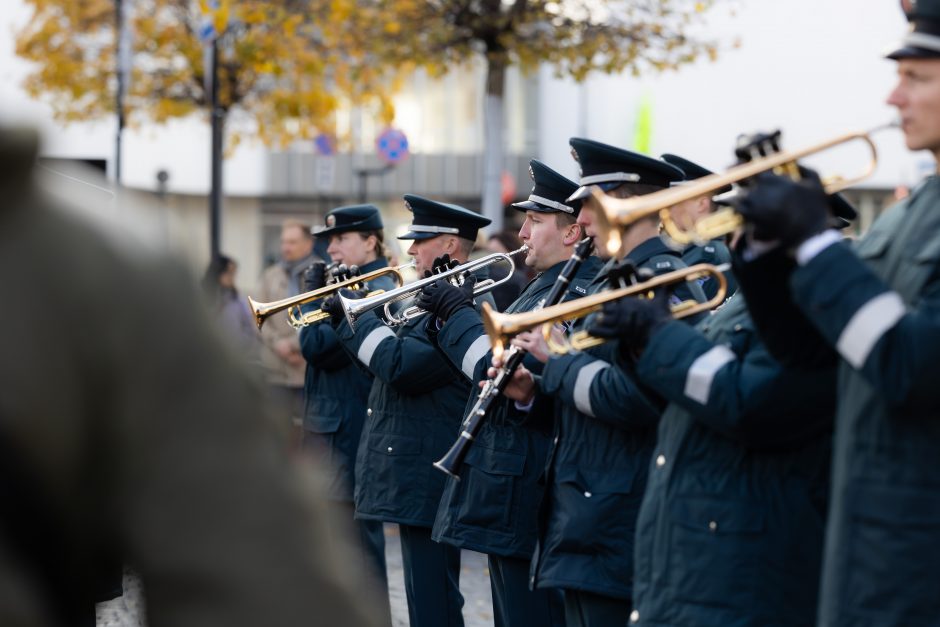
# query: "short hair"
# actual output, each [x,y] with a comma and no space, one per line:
[297,224]
[564,220]
[465,246]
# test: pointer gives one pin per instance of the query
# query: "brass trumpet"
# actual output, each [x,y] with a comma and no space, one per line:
[355,308]
[620,213]
[501,328]
[262,311]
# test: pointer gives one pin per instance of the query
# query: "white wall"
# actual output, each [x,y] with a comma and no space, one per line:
[813,68]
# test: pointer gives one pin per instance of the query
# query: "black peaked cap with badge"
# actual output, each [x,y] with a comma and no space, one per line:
[923,40]
[351,218]
[692,171]
[431,218]
[608,167]
[550,193]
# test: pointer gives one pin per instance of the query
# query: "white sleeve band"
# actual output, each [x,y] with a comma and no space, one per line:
[475,353]
[372,341]
[582,386]
[698,381]
[870,322]
[815,245]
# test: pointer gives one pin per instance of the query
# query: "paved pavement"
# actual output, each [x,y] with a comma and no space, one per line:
[474,584]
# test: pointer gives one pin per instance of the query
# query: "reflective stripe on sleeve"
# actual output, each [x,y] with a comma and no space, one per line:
[870,322]
[475,353]
[372,341]
[698,381]
[582,386]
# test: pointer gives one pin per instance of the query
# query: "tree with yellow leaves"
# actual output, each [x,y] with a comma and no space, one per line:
[288,64]
[575,36]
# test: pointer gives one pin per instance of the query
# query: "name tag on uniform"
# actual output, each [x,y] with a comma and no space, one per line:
[709,249]
[663,265]
[580,290]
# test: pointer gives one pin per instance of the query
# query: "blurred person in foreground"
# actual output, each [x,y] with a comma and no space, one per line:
[280,353]
[227,306]
[127,434]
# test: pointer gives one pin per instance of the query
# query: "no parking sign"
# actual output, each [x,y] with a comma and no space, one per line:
[392,146]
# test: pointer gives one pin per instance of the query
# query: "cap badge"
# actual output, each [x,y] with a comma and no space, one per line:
[531,173]
[331,221]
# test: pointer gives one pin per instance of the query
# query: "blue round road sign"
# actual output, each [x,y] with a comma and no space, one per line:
[392,145]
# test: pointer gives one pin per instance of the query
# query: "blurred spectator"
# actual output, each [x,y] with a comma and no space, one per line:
[127,435]
[280,351]
[230,309]
[505,294]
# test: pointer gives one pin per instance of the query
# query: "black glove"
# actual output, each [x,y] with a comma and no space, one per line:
[442,298]
[334,307]
[625,273]
[440,264]
[633,321]
[781,209]
[314,276]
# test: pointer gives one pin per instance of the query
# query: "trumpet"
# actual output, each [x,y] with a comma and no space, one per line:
[620,213]
[262,311]
[356,307]
[501,328]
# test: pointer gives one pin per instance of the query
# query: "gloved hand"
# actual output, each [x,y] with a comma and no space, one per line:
[440,264]
[442,298]
[625,273]
[781,209]
[334,307]
[633,321]
[315,276]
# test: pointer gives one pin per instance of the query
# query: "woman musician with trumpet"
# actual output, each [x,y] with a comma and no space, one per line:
[335,389]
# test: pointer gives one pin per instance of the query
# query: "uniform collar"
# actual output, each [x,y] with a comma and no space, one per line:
[380,262]
[650,248]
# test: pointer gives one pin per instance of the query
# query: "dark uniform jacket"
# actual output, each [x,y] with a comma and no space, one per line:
[716,253]
[879,307]
[335,394]
[604,435]
[492,508]
[730,531]
[138,436]
[414,408]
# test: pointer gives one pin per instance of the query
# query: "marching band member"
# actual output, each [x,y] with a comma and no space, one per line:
[414,408]
[492,508]
[335,389]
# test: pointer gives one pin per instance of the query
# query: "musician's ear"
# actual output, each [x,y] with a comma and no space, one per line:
[573,235]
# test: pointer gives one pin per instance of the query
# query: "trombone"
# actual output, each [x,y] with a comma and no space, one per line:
[262,311]
[620,213]
[501,328]
[356,307]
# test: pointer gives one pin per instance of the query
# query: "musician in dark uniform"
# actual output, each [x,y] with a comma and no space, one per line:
[335,389]
[687,213]
[414,408]
[875,306]
[605,426]
[492,507]
[731,527]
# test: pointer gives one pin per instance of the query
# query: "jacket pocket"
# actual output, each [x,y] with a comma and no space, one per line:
[323,415]
[594,510]
[714,555]
[486,495]
[891,550]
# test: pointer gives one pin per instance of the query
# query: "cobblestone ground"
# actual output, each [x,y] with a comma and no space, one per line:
[127,611]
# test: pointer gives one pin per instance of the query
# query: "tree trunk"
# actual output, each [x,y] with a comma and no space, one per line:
[493,144]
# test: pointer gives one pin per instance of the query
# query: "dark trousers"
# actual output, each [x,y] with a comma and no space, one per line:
[586,609]
[514,605]
[432,579]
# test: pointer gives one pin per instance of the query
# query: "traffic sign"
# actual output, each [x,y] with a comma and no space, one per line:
[392,146]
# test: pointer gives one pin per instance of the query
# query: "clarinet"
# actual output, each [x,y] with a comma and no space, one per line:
[493,388]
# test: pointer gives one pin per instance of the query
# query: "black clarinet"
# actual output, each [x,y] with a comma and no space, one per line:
[493,388]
